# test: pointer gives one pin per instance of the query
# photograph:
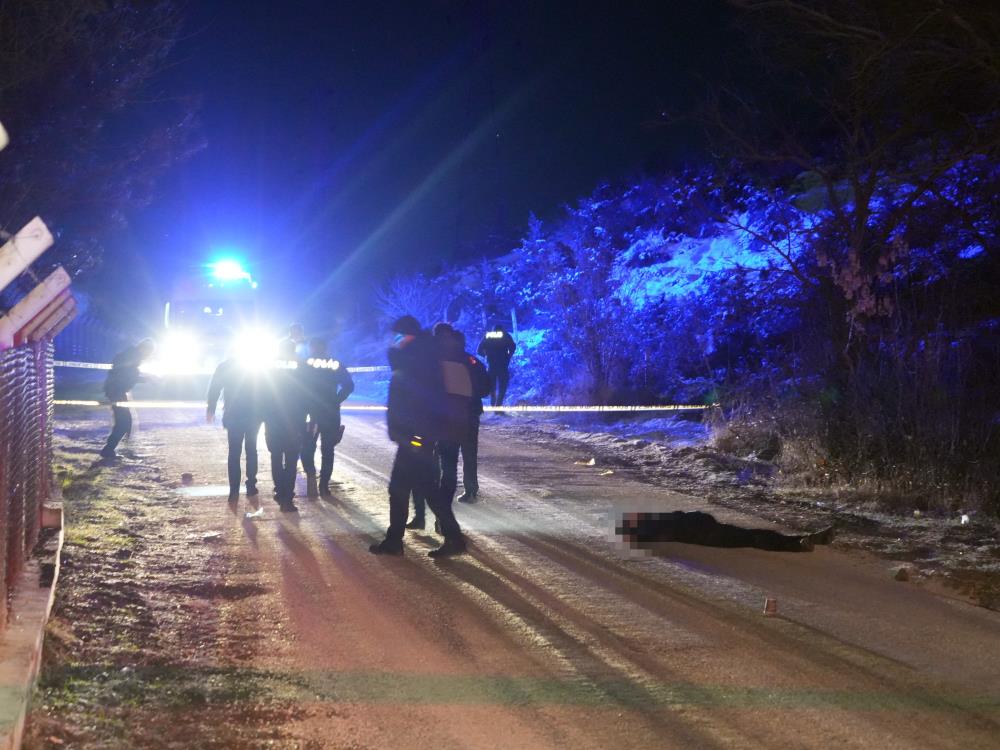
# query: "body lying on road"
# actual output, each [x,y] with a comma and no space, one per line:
[644,529]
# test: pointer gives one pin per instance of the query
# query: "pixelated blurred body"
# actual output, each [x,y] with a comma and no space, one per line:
[642,530]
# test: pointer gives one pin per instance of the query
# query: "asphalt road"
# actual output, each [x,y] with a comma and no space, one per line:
[550,633]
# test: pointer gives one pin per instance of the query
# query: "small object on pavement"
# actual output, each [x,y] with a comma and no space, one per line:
[211,536]
[770,606]
[965,519]
[256,514]
[187,478]
[902,574]
[591,462]
[606,473]
[917,514]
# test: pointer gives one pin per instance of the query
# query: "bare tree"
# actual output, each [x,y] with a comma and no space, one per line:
[426,300]
[888,109]
[90,128]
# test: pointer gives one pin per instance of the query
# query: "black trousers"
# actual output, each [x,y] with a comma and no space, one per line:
[499,378]
[448,452]
[327,436]
[284,448]
[419,506]
[240,436]
[470,458]
[121,425]
[415,470]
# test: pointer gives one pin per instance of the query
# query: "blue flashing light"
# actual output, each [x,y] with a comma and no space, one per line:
[229,269]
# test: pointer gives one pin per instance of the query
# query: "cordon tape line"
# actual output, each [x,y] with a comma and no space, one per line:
[81,365]
[103,366]
[373,407]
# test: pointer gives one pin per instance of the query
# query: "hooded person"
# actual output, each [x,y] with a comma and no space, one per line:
[464,378]
[417,418]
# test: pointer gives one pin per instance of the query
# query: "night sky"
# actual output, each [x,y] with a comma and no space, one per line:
[348,141]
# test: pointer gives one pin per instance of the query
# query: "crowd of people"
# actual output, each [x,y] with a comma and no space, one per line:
[433,416]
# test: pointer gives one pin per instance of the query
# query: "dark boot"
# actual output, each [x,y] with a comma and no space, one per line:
[451,547]
[417,523]
[386,547]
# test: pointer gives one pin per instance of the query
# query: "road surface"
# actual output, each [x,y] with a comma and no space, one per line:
[550,633]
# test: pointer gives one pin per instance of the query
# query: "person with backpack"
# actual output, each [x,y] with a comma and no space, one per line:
[417,417]
[481,387]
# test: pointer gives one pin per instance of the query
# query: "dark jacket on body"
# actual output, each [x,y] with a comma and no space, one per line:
[124,374]
[285,401]
[239,387]
[416,390]
[498,347]
[328,386]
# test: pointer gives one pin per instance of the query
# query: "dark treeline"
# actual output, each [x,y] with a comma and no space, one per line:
[830,280]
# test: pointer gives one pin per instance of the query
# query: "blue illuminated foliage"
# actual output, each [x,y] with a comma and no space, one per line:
[694,288]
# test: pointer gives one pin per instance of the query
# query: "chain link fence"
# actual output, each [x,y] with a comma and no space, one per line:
[26,402]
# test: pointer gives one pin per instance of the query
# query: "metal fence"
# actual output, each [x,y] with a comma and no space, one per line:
[26,401]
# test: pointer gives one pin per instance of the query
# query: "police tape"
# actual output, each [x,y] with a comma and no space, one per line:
[81,365]
[104,366]
[624,408]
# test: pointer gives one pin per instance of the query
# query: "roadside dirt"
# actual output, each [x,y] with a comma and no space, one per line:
[142,587]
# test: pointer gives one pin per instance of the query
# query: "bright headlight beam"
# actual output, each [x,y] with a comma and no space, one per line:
[229,269]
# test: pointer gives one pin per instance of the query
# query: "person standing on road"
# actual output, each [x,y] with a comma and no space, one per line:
[464,384]
[498,348]
[453,342]
[284,410]
[238,385]
[329,385]
[121,379]
[481,387]
[416,420]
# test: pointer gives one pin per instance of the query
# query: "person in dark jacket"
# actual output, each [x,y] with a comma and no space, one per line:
[464,386]
[417,417]
[238,385]
[481,388]
[498,347]
[285,405]
[643,530]
[122,378]
[453,343]
[329,385]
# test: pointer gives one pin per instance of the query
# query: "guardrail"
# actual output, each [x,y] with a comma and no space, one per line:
[26,402]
